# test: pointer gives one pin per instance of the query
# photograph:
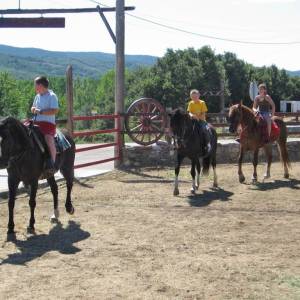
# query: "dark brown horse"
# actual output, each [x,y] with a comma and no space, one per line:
[243,117]
[21,155]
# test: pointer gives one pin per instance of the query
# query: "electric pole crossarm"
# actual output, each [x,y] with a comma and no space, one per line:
[59,10]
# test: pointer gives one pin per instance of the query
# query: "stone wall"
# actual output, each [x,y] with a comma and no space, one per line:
[161,154]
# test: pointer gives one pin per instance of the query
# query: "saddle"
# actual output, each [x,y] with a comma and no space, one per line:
[61,142]
[263,129]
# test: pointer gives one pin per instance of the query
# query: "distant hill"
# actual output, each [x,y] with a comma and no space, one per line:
[294,73]
[29,62]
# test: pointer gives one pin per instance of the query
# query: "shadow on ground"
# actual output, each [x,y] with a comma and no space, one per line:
[206,197]
[277,184]
[59,239]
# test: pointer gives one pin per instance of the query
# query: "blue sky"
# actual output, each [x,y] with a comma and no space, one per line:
[267,21]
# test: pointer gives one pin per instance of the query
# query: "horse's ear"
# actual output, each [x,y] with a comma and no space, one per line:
[240,104]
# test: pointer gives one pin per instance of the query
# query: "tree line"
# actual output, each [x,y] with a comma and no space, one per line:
[169,81]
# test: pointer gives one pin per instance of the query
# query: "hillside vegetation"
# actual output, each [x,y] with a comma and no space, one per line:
[168,80]
[27,63]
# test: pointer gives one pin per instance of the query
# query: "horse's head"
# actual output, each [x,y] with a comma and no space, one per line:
[13,139]
[179,122]
[235,117]
[6,144]
[240,114]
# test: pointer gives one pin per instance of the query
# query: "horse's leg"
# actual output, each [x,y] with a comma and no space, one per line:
[32,204]
[177,169]
[54,190]
[255,161]
[284,157]
[69,177]
[193,174]
[240,172]
[268,152]
[198,168]
[214,165]
[12,187]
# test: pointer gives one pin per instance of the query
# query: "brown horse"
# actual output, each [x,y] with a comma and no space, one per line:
[243,117]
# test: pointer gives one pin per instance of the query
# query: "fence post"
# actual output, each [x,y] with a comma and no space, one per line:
[69,92]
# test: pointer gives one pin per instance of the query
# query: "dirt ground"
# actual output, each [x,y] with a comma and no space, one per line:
[130,238]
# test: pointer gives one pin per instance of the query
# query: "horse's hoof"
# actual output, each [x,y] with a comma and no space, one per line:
[71,211]
[254,180]
[11,231]
[287,175]
[55,216]
[54,220]
[197,187]
[242,179]
[193,191]
[11,236]
[176,192]
[215,185]
[30,230]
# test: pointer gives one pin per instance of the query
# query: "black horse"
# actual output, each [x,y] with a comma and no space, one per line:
[189,141]
[21,154]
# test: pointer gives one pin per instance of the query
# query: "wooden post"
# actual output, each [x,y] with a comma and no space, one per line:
[119,76]
[222,95]
[69,92]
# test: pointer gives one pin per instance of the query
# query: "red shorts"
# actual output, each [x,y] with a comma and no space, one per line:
[46,127]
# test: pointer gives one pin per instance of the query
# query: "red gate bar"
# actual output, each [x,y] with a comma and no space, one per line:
[95,117]
[32,22]
[96,147]
[94,132]
[95,162]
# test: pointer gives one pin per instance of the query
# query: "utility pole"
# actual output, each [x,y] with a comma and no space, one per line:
[69,92]
[120,73]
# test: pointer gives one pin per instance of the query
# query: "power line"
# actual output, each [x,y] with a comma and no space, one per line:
[96,2]
[201,34]
[210,36]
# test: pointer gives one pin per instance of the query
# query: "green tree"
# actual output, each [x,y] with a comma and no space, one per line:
[10,96]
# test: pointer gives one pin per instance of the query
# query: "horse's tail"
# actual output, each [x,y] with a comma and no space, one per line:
[282,142]
[206,164]
[210,159]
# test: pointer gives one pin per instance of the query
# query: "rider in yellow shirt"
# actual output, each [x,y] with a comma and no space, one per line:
[197,110]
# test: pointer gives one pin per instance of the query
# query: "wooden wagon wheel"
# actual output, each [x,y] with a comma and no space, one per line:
[145,121]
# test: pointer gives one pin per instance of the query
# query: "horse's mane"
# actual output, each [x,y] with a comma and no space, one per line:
[179,111]
[248,114]
[18,130]
[247,110]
